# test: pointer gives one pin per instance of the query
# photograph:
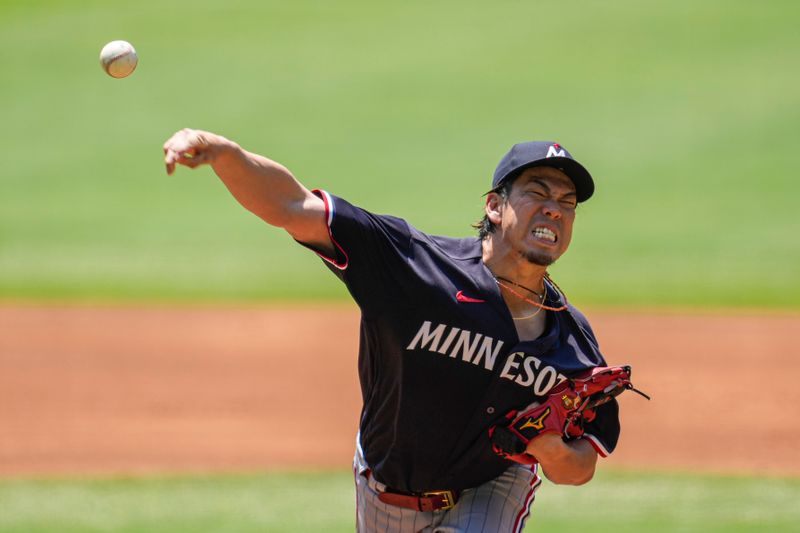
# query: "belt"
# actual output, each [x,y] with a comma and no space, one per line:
[434,500]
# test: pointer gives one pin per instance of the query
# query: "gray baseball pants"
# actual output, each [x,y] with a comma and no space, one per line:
[501,505]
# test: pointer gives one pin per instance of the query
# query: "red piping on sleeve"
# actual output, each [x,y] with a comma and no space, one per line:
[329,212]
[597,445]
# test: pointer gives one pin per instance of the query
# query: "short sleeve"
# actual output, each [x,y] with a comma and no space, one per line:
[372,251]
[603,432]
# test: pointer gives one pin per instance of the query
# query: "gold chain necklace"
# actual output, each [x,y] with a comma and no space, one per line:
[527,317]
[498,279]
[540,304]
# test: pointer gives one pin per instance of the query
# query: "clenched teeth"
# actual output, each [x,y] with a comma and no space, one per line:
[544,233]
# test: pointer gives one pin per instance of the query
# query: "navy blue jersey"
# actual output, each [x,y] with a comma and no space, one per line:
[440,361]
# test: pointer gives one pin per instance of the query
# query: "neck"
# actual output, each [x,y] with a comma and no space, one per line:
[513,266]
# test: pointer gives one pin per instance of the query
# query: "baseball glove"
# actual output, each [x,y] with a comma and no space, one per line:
[568,407]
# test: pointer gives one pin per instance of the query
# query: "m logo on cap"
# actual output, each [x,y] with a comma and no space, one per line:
[555,150]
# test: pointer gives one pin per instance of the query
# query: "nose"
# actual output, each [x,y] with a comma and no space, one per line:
[552,210]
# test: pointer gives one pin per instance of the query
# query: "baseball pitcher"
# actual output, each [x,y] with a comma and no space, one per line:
[476,373]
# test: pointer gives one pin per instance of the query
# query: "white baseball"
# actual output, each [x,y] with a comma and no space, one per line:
[118,59]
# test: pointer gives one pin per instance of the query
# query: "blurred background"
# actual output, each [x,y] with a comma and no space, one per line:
[685,112]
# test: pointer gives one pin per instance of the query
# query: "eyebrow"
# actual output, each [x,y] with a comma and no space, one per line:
[541,182]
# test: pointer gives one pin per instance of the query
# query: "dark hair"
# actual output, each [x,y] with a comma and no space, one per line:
[484,225]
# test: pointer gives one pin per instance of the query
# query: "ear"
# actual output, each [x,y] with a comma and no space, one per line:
[494,207]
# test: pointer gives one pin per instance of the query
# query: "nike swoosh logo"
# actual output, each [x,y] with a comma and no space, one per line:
[466,299]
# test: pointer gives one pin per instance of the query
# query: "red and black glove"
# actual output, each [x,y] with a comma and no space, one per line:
[568,406]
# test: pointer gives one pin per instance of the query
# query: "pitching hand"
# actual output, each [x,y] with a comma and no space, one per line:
[190,148]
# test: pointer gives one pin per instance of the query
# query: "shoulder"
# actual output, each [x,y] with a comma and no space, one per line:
[557,298]
[576,332]
[344,217]
[579,317]
[582,323]
[336,206]
[456,248]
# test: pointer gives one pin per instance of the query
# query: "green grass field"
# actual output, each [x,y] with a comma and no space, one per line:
[614,502]
[686,112]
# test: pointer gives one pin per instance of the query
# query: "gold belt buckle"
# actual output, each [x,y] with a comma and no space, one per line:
[447,496]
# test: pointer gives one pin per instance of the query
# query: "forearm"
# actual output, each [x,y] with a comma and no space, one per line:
[566,463]
[260,185]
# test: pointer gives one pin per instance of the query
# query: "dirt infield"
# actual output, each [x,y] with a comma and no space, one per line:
[123,390]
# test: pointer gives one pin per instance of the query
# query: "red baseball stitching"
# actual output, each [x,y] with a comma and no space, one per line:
[114,58]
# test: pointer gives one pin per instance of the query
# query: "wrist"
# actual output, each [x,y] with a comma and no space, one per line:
[220,151]
[564,463]
[548,447]
[220,147]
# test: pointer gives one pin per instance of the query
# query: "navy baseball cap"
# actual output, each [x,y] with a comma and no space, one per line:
[544,154]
